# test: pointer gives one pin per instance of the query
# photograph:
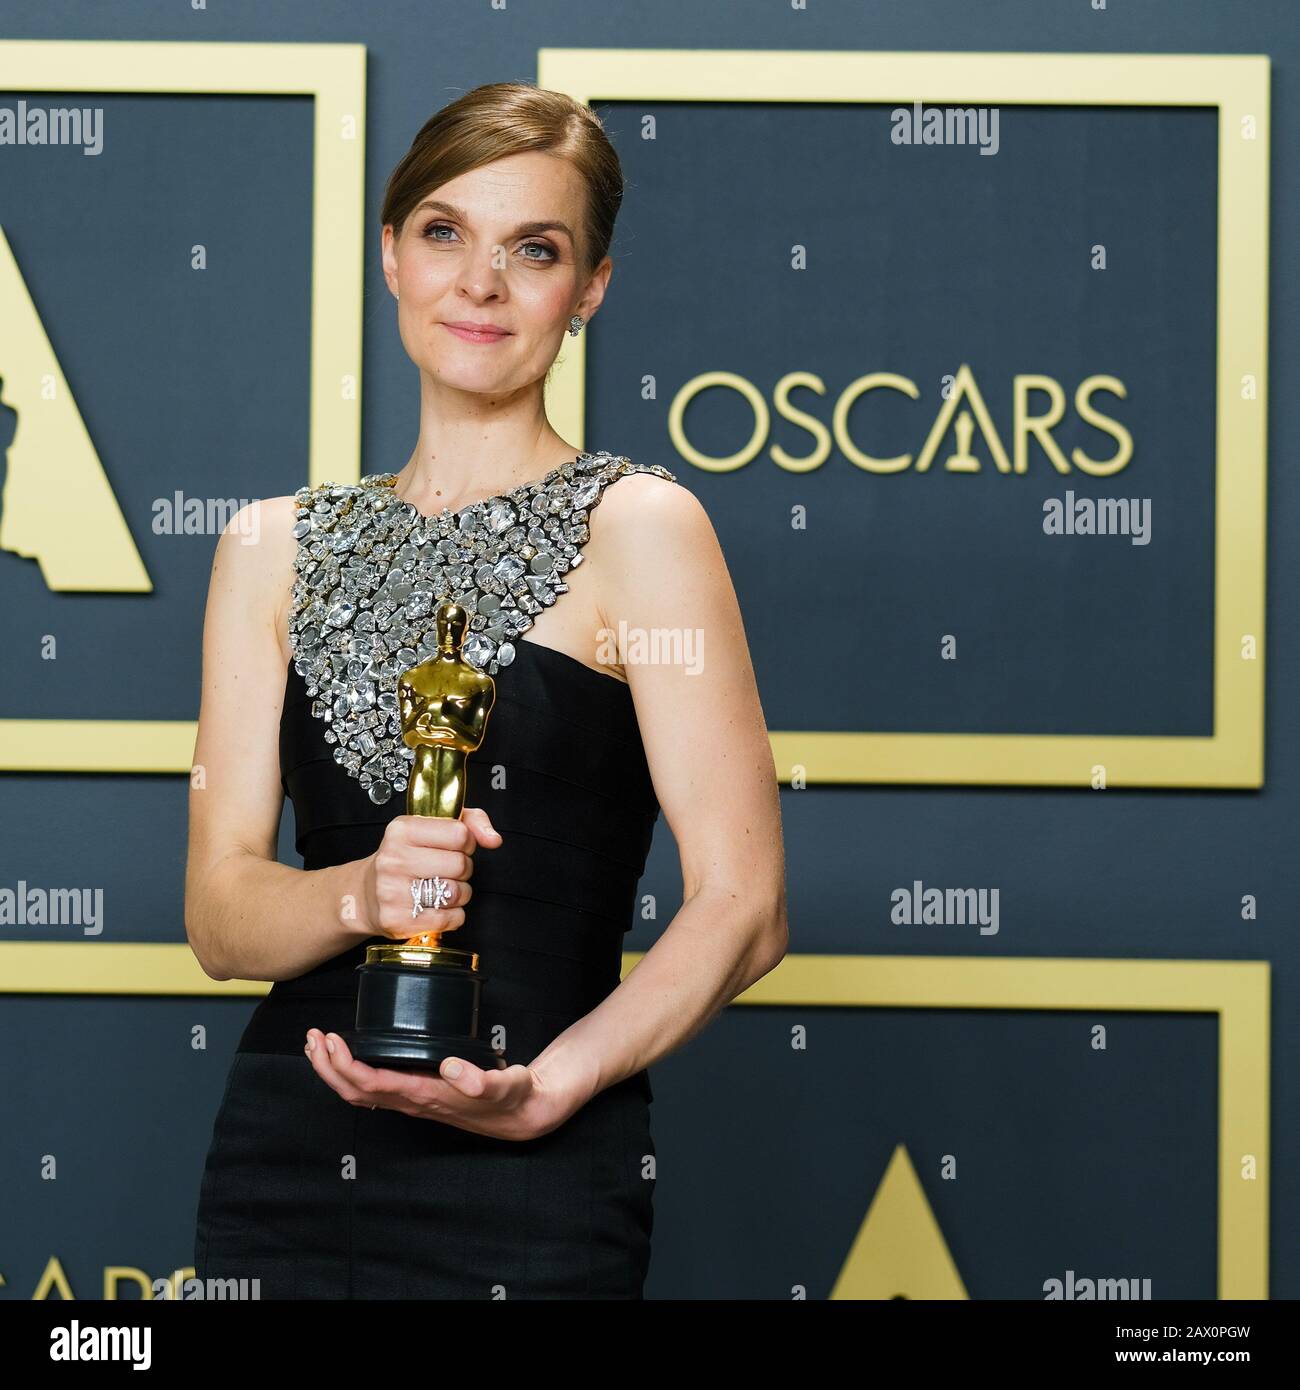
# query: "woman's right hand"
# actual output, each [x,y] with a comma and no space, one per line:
[416,847]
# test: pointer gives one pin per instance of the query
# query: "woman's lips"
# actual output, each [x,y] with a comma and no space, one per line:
[477,335]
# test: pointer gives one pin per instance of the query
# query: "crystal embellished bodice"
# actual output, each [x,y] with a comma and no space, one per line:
[370,571]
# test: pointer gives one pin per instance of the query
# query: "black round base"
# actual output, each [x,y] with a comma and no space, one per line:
[417,1052]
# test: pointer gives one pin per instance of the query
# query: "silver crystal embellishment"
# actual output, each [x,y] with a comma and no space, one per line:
[370,571]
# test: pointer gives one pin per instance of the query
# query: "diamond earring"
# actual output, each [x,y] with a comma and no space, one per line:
[575,326]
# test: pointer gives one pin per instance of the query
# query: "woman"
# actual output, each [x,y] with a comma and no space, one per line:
[327,1178]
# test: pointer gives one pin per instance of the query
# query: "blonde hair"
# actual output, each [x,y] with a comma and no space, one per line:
[505,118]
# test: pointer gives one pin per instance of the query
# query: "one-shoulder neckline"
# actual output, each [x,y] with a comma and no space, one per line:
[554,651]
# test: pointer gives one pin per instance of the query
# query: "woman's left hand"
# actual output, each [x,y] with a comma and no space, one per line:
[510,1103]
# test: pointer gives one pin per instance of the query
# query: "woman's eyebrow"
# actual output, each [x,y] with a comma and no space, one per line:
[533,228]
[524,228]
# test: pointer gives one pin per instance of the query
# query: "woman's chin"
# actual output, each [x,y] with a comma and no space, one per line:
[471,377]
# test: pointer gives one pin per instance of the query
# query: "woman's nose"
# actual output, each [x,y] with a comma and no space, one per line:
[480,276]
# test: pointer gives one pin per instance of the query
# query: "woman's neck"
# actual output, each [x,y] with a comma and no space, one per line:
[471,447]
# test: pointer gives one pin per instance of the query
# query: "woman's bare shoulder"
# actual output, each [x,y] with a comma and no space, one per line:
[254,562]
[656,555]
[646,510]
[260,534]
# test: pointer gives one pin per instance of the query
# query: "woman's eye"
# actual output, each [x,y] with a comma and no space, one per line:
[539,251]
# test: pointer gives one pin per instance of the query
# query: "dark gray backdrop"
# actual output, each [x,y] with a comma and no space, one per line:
[1102,1163]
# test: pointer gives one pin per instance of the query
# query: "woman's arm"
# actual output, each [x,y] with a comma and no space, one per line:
[660,567]
[246,916]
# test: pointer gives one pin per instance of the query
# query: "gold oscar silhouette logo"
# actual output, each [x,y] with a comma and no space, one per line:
[899,1251]
[56,504]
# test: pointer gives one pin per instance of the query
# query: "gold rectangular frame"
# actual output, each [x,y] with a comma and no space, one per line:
[1233,756]
[334,75]
[1238,992]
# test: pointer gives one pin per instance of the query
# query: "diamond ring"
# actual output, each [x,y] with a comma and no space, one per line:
[429,892]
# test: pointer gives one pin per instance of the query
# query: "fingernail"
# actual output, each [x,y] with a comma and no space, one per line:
[311,1043]
[451,1070]
[329,1043]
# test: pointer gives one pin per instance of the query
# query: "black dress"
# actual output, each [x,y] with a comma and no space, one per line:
[318,1198]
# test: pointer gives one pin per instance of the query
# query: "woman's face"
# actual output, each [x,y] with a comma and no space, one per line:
[487,274]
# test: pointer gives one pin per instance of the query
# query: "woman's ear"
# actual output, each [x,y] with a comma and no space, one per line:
[388,259]
[594,294]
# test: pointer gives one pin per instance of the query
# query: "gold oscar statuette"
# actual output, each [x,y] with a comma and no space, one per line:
[418,1000]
